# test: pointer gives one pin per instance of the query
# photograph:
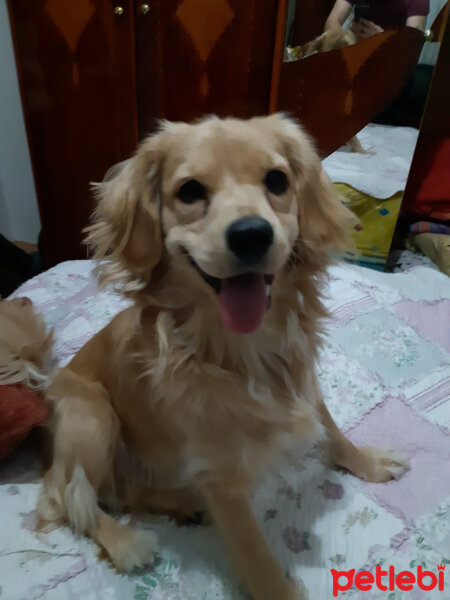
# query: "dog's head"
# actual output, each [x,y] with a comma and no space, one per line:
[226,203]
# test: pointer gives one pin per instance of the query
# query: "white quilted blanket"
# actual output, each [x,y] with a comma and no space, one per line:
[383,170]
[385,372]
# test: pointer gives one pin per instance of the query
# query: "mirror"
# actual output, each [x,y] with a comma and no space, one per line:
[371,169]
[324,25]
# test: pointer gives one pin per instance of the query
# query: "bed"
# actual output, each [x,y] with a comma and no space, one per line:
[372,184]
[385,373]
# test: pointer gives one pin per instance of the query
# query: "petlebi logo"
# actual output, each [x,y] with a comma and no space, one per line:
[388,580]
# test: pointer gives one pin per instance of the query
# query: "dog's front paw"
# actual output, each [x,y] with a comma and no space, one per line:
[134,550]
[379,466]
[299,591]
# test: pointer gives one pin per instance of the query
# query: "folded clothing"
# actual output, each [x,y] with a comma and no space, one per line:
[429,227]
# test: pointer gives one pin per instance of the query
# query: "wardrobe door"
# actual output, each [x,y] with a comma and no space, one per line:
[427,193]
[76,64]
[196,57]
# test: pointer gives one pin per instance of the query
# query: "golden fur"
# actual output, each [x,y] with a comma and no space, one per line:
[25,347]
[165,409]
[331,39]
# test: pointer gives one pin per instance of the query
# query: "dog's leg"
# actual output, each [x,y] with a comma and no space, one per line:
[355,145]
[86,433]
[369,464]
[182,505]
[247,547]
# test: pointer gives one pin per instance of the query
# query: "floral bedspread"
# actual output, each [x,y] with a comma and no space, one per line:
[385,372]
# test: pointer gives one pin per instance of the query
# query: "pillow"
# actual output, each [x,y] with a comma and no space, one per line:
[437,247]
[21,409]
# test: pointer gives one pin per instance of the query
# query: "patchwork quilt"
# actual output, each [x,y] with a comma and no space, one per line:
[385,373]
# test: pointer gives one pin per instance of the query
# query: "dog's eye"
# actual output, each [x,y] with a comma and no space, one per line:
[191,191]
[276,182]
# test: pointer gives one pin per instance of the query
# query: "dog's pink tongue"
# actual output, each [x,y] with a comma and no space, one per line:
[243,302]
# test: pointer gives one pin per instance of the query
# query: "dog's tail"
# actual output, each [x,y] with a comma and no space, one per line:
[25,345]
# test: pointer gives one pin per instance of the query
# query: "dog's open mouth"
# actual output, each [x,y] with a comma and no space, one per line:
[243,299]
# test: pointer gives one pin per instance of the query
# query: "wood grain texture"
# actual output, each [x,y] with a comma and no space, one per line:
[197,57]
[76,70]
[278,54]
[427,192]
[335,94]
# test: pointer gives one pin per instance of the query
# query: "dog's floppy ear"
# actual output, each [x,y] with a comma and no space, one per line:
[126,227]
[324,221]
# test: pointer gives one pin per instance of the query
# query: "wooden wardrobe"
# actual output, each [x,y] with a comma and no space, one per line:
[96,75]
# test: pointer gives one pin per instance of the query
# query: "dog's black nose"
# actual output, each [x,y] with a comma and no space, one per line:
[250,238]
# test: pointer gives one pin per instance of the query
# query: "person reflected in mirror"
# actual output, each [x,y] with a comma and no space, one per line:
[377,16]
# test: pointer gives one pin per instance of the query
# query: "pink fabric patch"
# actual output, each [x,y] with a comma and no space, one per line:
[396,426]
[431,319]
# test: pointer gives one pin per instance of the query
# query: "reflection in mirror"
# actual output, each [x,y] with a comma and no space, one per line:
[325,25]
[371,169]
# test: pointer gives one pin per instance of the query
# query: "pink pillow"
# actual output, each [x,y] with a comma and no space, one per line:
[21,409]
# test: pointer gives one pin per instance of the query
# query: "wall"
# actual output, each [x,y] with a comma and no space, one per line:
[431,49]
[19,216]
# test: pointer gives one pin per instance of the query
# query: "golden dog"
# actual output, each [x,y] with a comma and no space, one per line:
[221,232]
